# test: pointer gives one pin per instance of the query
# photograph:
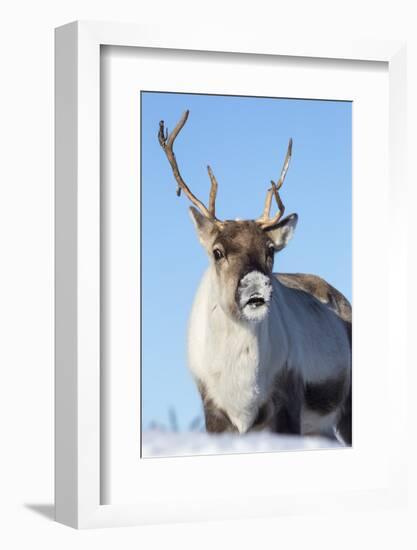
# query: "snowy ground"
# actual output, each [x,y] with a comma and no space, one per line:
[165,443]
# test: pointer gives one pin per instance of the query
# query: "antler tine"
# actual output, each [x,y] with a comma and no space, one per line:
[213,192]
[265,221]
[285,165]
[166,141]
[281,207]
[268,202]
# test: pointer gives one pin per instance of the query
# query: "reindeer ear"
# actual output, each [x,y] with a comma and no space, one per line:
[282,233]
[206,228]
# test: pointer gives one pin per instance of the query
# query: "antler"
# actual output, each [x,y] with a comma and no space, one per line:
[166,141]
[264,220]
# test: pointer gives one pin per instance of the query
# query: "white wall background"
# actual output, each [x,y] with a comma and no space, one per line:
[26,273]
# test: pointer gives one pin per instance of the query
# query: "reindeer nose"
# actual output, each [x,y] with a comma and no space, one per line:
[256,280]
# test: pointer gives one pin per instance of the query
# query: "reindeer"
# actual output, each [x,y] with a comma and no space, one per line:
[267,350]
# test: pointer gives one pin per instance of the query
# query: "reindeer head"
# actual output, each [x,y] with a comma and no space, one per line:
[241,253]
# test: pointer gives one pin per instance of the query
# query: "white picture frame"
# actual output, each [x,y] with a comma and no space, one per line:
[78,265]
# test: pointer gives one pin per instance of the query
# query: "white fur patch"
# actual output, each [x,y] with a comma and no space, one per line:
[233,359]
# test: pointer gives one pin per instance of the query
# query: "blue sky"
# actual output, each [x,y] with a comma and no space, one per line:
[244,139]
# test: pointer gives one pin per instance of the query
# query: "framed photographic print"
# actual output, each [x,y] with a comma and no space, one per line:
[240,338]
[216,297]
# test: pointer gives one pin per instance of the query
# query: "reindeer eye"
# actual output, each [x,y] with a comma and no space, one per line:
[218,254]
[270,251]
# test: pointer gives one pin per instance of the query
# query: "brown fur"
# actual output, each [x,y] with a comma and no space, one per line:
[345,422]
[245,247]
[287,399]
[216,420]
[320,289]
[325,396]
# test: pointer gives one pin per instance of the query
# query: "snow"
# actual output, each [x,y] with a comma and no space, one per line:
[157,443]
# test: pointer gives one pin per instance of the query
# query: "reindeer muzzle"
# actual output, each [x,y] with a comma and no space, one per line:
[254,294]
